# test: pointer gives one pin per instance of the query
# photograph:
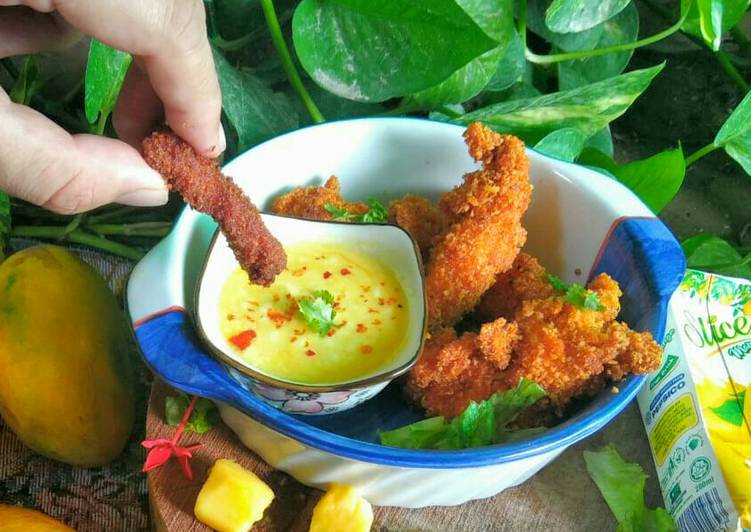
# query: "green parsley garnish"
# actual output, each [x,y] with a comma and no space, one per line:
[575,294]
[483,423]
[376,214]
[318,311]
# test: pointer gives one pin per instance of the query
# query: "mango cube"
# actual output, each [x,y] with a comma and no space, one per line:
[341,509]
[232,498]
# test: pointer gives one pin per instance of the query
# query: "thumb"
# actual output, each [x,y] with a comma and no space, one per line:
[41,163]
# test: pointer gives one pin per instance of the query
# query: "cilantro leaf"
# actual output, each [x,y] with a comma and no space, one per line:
[318,311]
[575,294]
[203,418]
[622,486]
[336,212]
[377,213]
[483,423]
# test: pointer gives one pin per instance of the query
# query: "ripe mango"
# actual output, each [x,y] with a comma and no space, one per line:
[341,509]
[66,374]
[15,519]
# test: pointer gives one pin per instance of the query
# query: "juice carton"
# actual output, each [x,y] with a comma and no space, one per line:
[697,406]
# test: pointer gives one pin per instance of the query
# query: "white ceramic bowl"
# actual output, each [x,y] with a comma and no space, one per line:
[392,245]
[580,223]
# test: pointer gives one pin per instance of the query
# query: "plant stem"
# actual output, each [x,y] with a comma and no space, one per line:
[556,58]
[150,229]
[731,71]
[521,23]
[101,123]
[109,214]
[698,154]
[78,237]
[289,66]
[740,39]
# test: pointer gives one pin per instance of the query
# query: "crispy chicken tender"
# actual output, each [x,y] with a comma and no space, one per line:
[571,352]
[525,280]
[201,183]
[420,218]
[568,350]
[453,371]
[484,234]
[310,202]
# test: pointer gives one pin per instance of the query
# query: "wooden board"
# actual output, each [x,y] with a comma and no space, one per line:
[561,497]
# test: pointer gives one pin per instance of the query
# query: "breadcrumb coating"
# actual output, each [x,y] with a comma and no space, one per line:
[310,202]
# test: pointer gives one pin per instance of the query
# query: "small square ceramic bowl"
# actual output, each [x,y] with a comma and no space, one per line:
[580,223]
[394,249]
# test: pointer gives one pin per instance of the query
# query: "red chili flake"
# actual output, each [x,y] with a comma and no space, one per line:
[293,339]
[310,353]
[243,339]
[331,332]
[336,304]
[361,328]
[345,271]
[326,275]
[279,318]
[365,349]
[162,449]
[230,317]
[381,301]
[391,301]
[299,272]
[377,322]
[371,310]
[307,344]
[298,332]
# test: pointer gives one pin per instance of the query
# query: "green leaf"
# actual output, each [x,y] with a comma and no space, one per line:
[601,141]
[336,212]
[712,253]
[28,82]
[318,311]
[510,67]
[735,134]
[202,419]
[5,222]
[621,29]
[571,16]
[709,19]
[587,109]
[372,51]
[569,42]
[565,144]
[622,486]
[656,179]
[730,410]
[483,423]
[575,294]
[254,110]
[105,73]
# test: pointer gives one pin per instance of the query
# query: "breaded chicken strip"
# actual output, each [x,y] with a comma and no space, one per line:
[310,202]
[525,280]
[568,350]
[454,371]
[201,183]
[485,232]
[420,218]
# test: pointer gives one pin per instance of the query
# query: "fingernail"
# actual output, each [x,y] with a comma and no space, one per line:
[144,197]
[221,143]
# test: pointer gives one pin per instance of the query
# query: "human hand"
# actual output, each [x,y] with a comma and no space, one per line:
[172,76]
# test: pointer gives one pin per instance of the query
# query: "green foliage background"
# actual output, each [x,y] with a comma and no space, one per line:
[556,73]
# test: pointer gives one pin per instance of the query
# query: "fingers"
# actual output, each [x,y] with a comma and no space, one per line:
[41,163]
[25,31]
[174,52]
[138,109]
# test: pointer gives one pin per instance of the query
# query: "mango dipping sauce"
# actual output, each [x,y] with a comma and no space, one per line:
[267,330]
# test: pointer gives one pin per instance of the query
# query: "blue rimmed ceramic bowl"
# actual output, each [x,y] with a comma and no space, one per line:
[580,223]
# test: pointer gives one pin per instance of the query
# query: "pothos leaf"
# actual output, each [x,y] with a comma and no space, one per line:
[105,73]
[735,134]
[28,82]
[564,144]
[5,220]
[710,252]
[255,111]
[510,68]
[621,29]
[372,51]
[571,16]
[709,19]
[587,109]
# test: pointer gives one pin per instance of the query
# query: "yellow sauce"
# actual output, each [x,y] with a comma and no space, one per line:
[264,326]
